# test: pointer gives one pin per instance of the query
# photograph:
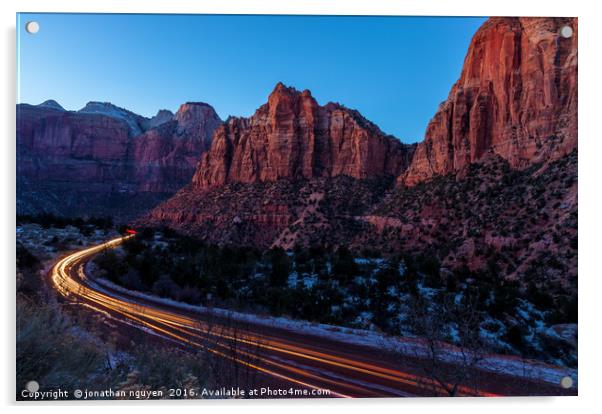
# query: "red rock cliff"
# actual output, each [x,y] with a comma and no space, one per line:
[54,145]
[293,137]
[80,157]
[165,157]
[516,97]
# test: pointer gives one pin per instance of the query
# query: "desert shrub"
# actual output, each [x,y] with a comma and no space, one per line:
[190,295]
[131,280]
[564,310]
[165,287]
[50,350]
[110,265]
[344,267]
[160,368]
[25,258]
[28,266]
[280,265]
[56,353]
[514,336]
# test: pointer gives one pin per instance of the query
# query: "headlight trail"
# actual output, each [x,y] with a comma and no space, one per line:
[311,367]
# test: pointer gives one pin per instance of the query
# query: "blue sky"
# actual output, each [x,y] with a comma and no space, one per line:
[394,70]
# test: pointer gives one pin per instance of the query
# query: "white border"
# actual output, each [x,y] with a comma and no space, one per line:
[590,154]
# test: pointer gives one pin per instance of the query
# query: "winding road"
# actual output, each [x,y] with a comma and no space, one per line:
[321,367]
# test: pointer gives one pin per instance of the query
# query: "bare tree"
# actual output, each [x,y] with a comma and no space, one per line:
[450,369]
[231,353]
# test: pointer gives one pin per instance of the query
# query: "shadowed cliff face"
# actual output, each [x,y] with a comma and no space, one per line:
[516,97]
[72,161]
[293,137]
[71,147]
[166,157]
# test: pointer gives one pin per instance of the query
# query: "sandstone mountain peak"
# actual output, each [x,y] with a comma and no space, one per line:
[51,104]
[197,121]
[194,103]
[162,116]
[136,123]
[516,97]
[190,110]
[164,112]
[292,136]
[283,93]
[102,107]
[280,87]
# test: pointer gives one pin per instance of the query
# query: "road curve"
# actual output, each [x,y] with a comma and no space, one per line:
[290,358]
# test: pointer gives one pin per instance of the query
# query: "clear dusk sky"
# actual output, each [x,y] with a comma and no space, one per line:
[394,70]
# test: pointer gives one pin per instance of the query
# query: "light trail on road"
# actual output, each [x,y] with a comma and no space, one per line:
[310,367]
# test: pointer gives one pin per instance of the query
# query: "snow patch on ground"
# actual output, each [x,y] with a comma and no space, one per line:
[412,347]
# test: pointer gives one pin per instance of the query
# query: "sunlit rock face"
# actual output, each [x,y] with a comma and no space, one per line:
[516,97]
[291,136]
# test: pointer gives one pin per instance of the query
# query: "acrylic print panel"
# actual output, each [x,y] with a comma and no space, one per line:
[295,206]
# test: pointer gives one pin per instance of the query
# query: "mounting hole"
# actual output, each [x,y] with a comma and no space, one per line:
[32,27]
[32,386]
[566,382]
[566,32]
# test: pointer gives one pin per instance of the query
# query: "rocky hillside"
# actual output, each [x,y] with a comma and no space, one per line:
[284,213]
[104,159]
[520,223]
[517,222]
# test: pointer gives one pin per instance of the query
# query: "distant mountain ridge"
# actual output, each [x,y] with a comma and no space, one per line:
[76,162]
[136,123]
[51,104]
